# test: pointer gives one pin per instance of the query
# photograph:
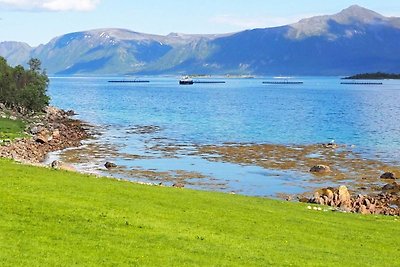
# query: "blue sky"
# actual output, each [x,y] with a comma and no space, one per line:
[37,21]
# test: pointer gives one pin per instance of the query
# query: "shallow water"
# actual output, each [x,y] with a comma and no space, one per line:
[137,122]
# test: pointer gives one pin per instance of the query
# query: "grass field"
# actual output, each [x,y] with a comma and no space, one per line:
[11,129]
[58,218]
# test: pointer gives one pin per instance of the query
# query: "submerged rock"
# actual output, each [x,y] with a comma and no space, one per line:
[330,145]
[393,187]
[388,175]
[320,169]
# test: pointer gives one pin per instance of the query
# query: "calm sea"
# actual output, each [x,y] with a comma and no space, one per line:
[133,118]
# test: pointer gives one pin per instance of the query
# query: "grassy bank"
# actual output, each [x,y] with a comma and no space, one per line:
[11,129]
[50,217]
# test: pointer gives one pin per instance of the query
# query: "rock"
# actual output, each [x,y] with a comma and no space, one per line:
[62,166]
[330,145]
[43,137]
[394,187]
[388,175]
[344,196]
[304,200]
[178,185]
[364,210]
[372,209]
[70,113]
[110,165]
[320,169]
[56,134]
[386,203]
[35,130]
[55,164]
[327,192]
[367,203]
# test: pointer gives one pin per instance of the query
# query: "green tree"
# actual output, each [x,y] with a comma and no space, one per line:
[35,64]
[23,89]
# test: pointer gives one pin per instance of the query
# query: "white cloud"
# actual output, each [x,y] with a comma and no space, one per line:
[51,5]
[256,22]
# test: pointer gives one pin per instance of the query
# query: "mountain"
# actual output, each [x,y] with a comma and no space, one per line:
[354,40]
[15,52]
[118,51]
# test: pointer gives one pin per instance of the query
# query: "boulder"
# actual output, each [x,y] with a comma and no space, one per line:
[344,195]
[328,193]
[56,134]
[110,165]
[320,169]
[43,137]
[388,175]
[53,113]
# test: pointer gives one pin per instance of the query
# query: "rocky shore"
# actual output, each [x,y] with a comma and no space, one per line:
[52,130]
[385,203]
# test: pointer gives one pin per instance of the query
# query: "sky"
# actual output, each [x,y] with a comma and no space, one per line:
[38,21]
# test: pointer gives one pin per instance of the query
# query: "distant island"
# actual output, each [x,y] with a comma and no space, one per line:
[373,76]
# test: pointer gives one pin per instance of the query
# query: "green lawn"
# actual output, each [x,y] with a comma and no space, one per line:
[58,218]
[11,129]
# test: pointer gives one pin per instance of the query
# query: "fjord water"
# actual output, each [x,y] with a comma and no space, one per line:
[239,111]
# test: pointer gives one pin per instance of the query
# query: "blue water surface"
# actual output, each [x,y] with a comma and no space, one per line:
[240,111]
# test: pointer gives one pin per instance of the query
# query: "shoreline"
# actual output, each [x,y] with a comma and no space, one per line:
[54,130]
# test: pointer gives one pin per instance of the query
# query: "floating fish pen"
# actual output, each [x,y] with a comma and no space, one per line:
[283,82]
[129,81]
[362,83]
[208,81]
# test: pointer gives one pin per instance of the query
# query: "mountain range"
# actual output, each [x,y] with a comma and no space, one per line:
[352,41]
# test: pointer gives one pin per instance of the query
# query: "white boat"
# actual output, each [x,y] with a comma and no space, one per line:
[186,80]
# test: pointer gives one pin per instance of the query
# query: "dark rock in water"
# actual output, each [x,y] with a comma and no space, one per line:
[330,145]
[110,165]
[320,169]
[388,175]
[178,185]
[55,164]
[393,187]
[70,113]
[143,129]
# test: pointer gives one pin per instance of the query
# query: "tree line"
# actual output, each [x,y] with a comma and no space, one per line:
[24,89]
[374,76]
